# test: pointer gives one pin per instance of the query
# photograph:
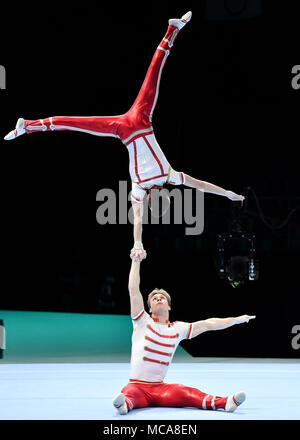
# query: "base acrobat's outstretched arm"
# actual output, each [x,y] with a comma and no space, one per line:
[210,188]
[218,323]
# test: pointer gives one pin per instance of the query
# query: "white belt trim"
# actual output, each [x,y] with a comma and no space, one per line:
[213,403]
[144,130]
[204,402]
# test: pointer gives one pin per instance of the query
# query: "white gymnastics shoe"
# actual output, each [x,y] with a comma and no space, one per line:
[120,404]
[20,129]
[234,401]
[180,22]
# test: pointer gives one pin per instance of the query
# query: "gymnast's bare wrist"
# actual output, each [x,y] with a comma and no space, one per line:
[138,245]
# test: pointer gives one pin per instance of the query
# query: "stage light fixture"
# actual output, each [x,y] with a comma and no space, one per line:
[236,251]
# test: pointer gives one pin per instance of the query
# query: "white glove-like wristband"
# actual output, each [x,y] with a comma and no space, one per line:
[138,245]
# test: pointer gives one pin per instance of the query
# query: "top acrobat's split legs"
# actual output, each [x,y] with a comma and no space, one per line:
[108,126]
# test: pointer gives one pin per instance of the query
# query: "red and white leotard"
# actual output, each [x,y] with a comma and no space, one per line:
[148,164]
[153,346]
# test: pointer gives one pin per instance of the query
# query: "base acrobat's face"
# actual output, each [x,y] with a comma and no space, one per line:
[159,304]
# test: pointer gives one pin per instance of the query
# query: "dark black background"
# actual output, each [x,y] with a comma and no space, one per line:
[226,114]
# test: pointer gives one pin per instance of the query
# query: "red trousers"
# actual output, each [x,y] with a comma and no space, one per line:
[172,395]
[138,117]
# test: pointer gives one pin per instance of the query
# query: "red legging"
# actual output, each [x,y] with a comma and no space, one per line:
[138,117]
[173,395]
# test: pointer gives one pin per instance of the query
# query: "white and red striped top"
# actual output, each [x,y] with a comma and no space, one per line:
[148,166]
[153,347]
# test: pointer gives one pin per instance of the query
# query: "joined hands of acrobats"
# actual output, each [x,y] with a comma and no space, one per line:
[138,253]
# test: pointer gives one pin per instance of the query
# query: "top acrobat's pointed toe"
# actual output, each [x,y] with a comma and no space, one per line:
[20,129]
[180,22]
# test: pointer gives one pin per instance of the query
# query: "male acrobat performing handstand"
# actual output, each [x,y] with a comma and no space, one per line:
[154,342]
[149,167]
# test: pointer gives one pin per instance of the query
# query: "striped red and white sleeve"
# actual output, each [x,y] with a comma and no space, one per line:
[176,177]
[185,330]
[140,319]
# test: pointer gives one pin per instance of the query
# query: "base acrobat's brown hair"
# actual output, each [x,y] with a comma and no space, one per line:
[154,292]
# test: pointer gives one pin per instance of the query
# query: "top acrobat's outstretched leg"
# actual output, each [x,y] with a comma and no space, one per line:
[146,100]
[105,126]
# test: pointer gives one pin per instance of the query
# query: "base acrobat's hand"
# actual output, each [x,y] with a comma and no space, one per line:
[245,318]
[234,197]
[20,129]
[138,254]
